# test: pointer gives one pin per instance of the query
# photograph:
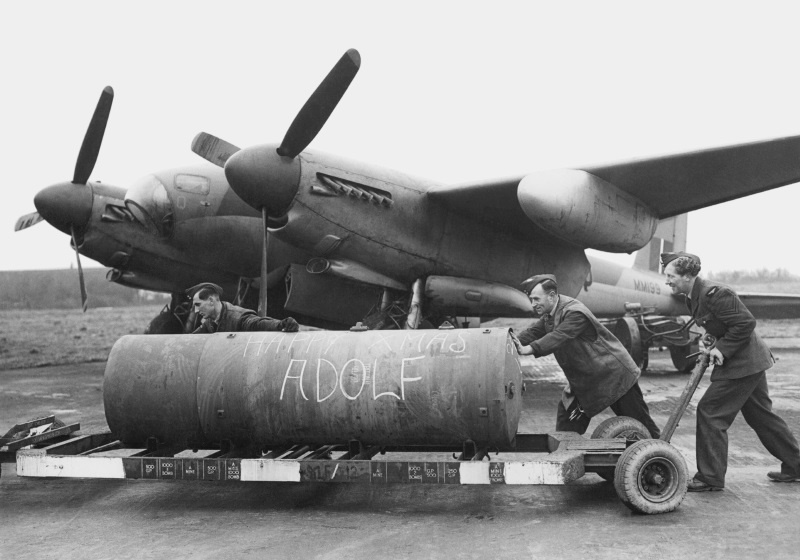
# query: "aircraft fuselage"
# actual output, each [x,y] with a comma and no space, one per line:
[379,219]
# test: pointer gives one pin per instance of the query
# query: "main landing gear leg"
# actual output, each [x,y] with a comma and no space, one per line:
[415,309]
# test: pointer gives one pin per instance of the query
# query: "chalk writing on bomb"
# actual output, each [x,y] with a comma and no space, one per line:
[317,378]
[322,343]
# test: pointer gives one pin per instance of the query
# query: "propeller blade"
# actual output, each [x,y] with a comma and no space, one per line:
[213,149]
[87,157]
[27,221]
[84,295]
[311,118]
[262,288]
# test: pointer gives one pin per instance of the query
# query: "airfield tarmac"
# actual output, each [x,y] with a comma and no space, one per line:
[86,519]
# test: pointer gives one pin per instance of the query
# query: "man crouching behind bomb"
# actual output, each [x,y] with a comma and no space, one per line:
[221,316]
[738,381]
[600,371]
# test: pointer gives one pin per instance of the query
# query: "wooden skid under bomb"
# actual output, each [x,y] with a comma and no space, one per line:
[546,459]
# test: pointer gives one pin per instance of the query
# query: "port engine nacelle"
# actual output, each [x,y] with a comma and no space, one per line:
[585,210]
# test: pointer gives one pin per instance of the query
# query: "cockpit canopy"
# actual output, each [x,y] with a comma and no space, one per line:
[149,203]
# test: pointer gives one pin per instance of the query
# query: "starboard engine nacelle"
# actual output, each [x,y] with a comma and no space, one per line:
[585,210]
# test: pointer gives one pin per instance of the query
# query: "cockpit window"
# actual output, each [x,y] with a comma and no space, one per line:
[149,203]
[194,184]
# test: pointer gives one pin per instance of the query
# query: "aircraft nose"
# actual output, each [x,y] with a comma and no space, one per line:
[262,178]
[64,205]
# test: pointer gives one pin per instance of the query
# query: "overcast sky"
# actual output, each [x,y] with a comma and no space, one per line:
[452,91]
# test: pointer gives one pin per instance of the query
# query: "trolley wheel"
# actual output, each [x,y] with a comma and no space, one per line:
[618,427]
[651,477]
[679,353]
[627,332]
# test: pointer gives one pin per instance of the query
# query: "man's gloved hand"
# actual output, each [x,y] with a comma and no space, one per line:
[289,325]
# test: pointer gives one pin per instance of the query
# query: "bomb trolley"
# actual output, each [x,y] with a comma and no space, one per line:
[649,475]
[557,458]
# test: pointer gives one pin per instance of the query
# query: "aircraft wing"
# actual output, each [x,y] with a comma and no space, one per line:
[667,185]
[675,184]
[772,306]
[494,202]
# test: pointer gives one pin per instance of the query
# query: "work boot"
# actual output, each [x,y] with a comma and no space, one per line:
[782,477]
[695,485]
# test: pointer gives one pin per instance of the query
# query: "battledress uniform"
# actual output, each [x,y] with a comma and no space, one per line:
[740,383]
[233,318]
[600,371]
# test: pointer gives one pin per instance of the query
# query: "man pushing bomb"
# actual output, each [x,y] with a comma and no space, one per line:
[600,371]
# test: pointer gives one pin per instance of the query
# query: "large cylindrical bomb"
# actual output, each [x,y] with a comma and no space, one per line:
[393,388]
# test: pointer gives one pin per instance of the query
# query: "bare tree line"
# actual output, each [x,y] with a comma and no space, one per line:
[760,276]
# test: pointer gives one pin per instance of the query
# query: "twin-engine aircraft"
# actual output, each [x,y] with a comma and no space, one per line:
[334,241]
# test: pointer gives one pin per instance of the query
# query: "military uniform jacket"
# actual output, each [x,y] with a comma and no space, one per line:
[597,366]
[719,311]
[233,318]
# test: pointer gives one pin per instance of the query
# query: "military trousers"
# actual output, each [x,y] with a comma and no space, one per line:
[630,404]
[717,410]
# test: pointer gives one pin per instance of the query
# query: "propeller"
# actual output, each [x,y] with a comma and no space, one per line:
[87,157]
[213,149]
[84,295]
[267,178]
[305,126]
[68,206]
[27,221]
[314,114]
[262,288]
[84,166]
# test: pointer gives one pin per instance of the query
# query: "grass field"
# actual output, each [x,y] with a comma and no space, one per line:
[63,336]
[66,336]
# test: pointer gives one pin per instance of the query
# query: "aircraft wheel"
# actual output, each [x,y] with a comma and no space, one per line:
[627,332]
[679,353]
[618,427]
[651,477]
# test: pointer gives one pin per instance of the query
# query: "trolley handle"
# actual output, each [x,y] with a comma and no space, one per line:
[691,386]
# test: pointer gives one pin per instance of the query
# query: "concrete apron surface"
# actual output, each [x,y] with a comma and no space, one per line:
[85,519]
